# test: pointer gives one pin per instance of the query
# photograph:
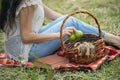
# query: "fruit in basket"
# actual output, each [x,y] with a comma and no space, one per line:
[86,48]
[72,37]
[78,34]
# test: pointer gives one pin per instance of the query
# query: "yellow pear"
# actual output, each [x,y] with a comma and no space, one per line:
[78,34]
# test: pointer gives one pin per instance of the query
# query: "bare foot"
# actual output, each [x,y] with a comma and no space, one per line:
[112,39]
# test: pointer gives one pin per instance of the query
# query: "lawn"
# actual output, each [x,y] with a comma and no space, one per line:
[108,15]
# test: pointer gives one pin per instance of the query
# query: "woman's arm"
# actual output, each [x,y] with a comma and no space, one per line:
[26,15]
[50,13]
[27,35]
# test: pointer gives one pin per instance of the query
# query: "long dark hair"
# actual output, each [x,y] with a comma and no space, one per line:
[8,14]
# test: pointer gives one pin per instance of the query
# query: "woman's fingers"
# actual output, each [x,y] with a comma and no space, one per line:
[73,28]
[69,30]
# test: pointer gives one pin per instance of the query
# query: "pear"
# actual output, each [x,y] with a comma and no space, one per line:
[72,37]
[78,34]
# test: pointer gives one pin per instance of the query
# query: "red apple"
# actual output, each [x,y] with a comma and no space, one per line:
[61,53]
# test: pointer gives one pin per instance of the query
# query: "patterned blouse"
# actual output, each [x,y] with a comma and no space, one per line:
[13,44]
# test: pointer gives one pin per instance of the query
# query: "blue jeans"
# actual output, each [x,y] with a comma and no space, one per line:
[46,48]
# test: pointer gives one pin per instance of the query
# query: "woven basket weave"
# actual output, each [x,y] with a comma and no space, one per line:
[72,52]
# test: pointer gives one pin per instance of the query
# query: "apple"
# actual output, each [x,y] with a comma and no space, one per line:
[78,34]
[72,37]
[61,53]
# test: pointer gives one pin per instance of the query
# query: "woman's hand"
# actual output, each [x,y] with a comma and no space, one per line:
[68,31]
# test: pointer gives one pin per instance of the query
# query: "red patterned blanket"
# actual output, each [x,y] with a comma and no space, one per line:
[112,53]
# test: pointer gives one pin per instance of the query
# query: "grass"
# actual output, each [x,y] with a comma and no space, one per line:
[108,15]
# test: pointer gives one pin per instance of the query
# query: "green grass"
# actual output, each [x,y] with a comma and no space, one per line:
[108,15]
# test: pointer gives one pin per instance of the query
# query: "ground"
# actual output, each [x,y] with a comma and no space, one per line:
[108,15]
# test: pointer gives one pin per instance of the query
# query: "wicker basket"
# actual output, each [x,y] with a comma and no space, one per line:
[72,52]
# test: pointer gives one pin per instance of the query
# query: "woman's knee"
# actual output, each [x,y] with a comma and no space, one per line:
[71,18]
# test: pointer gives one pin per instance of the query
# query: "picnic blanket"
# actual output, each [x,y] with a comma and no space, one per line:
[111,54]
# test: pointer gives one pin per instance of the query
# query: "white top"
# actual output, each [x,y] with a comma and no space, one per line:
[13,43]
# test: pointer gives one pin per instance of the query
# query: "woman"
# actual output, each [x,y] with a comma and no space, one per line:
[25,38]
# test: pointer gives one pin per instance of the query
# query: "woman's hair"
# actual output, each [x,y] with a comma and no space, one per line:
[8,14]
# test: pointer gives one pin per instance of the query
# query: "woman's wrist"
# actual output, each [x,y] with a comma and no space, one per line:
[57,35]
[56,16]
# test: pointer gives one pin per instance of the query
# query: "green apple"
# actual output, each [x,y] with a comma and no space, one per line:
[78,34]
[72,37]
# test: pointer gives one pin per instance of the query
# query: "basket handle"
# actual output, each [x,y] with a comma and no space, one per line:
[85,12]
